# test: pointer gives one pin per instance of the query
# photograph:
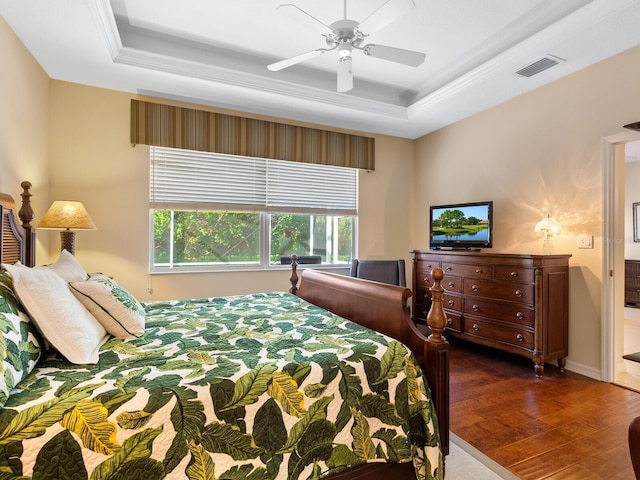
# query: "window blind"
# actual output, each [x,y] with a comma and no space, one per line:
[193,180]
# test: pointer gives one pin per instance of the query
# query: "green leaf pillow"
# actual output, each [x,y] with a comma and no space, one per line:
[20,343]
[115,308]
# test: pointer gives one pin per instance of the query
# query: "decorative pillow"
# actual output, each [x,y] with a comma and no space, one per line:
[68,268]
[64,322]
[115,308]
[20,347]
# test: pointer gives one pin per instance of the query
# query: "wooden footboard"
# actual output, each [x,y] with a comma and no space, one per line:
[383,308]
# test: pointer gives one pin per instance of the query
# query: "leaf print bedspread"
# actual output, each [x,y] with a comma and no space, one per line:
[262,386]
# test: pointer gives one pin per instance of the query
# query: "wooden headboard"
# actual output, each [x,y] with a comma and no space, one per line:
[17,239]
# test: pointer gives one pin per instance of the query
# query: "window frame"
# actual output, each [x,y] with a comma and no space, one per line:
[265,239]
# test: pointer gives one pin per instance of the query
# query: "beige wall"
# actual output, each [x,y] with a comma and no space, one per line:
[535,154]
[92,161]
[24,122]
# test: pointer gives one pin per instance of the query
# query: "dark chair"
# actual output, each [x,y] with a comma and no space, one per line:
[634,445]
[385,271]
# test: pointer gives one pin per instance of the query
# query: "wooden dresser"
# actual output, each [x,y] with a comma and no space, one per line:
[517,303]
[632,282]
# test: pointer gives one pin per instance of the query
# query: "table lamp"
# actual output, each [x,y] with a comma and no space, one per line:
[68,216]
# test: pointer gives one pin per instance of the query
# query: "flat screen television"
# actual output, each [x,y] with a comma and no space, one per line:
[462,226]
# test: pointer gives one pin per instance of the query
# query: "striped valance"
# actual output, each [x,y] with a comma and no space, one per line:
[190,129]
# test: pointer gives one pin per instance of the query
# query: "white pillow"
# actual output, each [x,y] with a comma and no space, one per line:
[68,268]
[61,318]
[115,308]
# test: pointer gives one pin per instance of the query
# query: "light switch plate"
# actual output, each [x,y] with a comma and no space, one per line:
[585,241]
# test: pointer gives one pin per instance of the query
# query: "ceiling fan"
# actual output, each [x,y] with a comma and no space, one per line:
[345,36]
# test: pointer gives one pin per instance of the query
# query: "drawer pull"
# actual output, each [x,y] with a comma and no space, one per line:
[425,280]
[475,288]
[518,293]
[426,295]
[514,274]
[519,337]
[519,315]
[448,269]
[425,313]
[429,266]
[451,303]
[476,327]
[478,270]
[475,308]
[451,284]
[449,321]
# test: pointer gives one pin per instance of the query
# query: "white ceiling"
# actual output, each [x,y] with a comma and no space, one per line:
[215,52]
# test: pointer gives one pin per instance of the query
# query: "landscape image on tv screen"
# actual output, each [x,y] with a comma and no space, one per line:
[460,224]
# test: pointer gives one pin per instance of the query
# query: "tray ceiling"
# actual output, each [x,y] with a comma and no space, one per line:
[216,53]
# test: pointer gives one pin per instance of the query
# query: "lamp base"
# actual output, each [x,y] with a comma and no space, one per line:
[68,241]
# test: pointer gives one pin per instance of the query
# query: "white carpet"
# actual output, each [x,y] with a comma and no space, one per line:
[465,462]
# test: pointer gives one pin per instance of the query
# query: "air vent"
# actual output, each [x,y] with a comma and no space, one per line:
[537,66]
[633,126]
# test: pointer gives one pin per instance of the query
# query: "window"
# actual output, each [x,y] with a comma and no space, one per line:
[211,210]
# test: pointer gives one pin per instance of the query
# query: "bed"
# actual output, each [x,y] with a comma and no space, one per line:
[276,385]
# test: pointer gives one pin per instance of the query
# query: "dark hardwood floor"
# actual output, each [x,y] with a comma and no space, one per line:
[561,426]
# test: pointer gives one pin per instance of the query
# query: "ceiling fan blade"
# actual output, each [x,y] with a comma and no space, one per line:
[345,74]
[303,18]
[393,54]
[385,14]
[274,67]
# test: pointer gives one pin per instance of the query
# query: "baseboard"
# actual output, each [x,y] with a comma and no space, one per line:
[590,372]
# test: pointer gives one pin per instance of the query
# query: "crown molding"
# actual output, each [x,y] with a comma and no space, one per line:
[103,13]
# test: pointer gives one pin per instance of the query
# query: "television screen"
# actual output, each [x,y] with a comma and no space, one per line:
[461,226]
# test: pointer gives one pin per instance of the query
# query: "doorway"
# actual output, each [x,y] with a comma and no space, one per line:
[614,368]
[629,375]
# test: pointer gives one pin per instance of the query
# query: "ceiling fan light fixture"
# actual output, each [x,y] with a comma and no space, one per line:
[344,49]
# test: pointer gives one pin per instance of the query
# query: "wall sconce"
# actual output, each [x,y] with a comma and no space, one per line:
[68,216]
[548,227]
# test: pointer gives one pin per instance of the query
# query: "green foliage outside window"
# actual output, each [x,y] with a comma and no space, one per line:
[207,237]
[214,238]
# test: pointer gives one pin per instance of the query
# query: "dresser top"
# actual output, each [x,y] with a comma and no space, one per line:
[464,256]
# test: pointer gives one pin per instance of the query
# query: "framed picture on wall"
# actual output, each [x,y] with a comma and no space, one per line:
[636,219]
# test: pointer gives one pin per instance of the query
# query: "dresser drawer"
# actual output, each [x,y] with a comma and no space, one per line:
[423,278]
[450,284]
[632,296]
[513,292]
[632,283]
[501,333]
[518,274]
[428,262]
[632,267]
[509,312]
[423,295]
[466,270]
[454,321]
[452,302]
